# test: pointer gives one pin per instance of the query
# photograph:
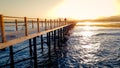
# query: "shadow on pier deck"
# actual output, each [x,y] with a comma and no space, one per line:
[25,42]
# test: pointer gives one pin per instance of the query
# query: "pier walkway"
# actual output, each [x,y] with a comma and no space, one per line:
[15,30]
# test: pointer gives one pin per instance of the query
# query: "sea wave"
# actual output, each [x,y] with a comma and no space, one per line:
[116,34]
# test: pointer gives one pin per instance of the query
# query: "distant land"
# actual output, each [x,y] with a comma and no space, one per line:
[100,24]
[112,21]
[104,19]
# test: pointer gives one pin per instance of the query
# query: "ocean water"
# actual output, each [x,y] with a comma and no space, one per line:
[86,47]
[91,47]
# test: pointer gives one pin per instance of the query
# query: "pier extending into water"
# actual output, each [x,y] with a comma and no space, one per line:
[16,30]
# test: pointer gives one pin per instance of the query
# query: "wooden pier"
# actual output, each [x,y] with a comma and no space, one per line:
[14,30]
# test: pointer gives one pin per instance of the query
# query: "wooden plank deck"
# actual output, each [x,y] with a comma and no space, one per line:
[23,38]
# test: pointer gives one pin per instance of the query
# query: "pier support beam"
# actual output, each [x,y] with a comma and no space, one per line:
[62,34]
[58,35]
[52,35]
[42,43]
[11,57]
[30,47]
[55,40]
[35,52]
[48,43]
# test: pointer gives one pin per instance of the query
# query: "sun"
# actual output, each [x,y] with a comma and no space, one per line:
[84,9]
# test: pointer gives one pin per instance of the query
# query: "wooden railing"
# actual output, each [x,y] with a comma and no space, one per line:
[17,29]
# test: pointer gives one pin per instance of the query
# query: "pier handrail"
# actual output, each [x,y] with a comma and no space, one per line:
[41,26]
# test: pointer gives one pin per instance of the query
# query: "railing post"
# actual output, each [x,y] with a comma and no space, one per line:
[42,24]
[45,24]
[32,24]
[50,24]
[59,22]
[54,23]
[26,28]
[65,21]
[16,24]
[38,25]
[2,28]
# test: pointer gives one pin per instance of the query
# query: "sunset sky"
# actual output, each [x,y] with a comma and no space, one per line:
[79,9]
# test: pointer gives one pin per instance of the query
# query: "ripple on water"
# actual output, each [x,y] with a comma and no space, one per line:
[88,49]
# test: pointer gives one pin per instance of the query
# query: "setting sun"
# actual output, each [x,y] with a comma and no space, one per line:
[85,9]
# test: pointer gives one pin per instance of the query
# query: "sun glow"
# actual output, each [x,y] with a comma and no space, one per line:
[84,9]
[85,23]
[87,31]
[88,23]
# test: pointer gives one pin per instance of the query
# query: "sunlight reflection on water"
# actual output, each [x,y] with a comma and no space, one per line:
[88,48]
[93,47]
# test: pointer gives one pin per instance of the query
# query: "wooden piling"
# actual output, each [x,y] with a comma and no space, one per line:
[63,32]
[48,43]
[42,43]
[35,52]
[30,47]
[52,35]
[58,35]
[55,40]
[11,57]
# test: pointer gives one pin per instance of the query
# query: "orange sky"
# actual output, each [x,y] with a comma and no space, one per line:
[87,9]
[118,6]
[79,9]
